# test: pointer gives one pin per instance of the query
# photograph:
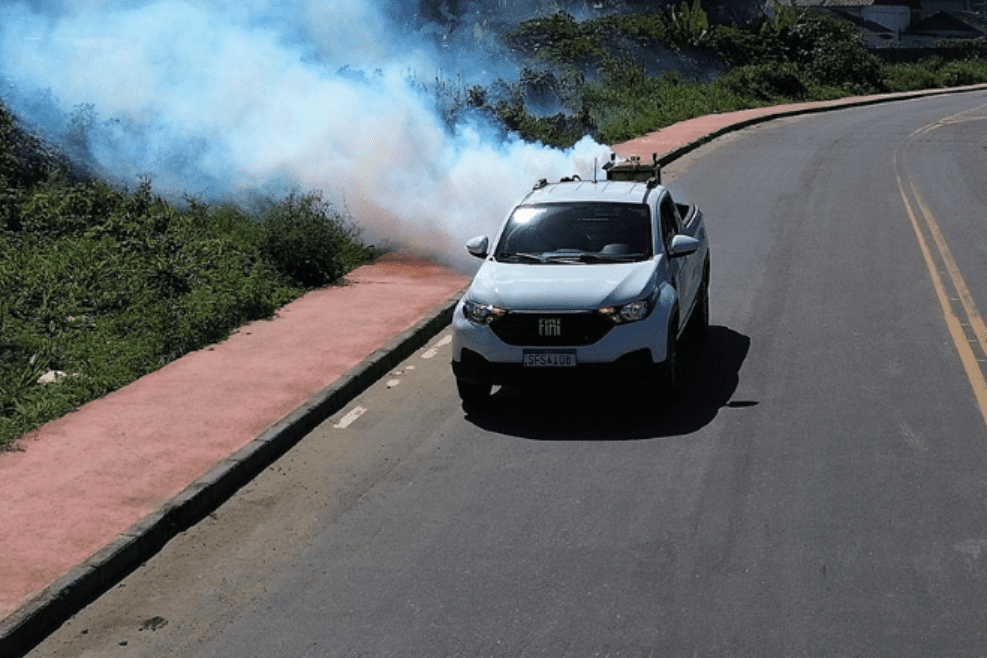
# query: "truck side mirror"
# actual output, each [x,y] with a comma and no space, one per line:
[683,245]
[479,246]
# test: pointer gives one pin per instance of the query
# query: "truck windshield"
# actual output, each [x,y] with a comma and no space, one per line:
[585,232]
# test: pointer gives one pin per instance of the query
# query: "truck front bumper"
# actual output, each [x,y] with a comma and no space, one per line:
[635,367]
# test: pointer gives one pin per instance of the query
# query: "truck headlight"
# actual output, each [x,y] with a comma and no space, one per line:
[481,313]
[628,312]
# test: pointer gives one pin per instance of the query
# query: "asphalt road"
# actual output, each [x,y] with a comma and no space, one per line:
[821,489]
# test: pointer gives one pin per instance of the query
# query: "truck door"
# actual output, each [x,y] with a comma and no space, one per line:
[683,270]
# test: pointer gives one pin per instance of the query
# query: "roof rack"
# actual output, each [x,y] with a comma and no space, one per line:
[632,169]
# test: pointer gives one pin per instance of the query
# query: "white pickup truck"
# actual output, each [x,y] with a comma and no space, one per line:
[593,281]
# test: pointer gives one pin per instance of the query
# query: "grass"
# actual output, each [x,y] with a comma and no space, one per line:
[106,285]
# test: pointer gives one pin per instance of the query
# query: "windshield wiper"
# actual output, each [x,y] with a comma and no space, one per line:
[522,256]
[588,257]
[567,258]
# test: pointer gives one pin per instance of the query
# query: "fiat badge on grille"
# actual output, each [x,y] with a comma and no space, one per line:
[549,326]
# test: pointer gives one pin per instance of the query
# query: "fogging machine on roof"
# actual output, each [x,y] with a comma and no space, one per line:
[633,169]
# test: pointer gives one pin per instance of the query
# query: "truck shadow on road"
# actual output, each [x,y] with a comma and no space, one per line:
[614,413]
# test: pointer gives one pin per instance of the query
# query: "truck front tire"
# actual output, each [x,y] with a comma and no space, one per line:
[698,327]
[673,369]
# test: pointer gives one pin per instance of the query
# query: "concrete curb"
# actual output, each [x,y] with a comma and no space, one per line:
[33,621]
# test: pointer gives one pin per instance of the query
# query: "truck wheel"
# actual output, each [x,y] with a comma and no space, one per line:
[673,367]
[698,327]
[471,393]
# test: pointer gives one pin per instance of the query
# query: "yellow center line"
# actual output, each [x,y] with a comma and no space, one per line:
[952,119]
[976,321]
[968,356]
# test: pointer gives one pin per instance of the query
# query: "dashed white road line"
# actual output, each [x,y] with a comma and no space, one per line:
[430,353]
[350,418]
[356,412]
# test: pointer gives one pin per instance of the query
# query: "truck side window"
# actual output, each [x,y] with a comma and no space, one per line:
[670,223]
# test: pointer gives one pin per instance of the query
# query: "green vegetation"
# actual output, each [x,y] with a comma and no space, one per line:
[597,71]
[935,72]
[106,285]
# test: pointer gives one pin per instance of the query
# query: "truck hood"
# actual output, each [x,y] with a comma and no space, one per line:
[529,286]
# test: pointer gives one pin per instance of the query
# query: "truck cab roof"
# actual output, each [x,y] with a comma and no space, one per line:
[589,191]
[627,181]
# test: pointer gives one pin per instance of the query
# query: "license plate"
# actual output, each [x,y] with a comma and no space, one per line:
[550,359]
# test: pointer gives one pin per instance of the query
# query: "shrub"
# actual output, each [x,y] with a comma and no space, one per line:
[61,207]
[765,83]
[904,77]
[827,51]
[749,45]
[832,53]
[934,72]
[306,239]
[964,72]
[107,285]
[559,39]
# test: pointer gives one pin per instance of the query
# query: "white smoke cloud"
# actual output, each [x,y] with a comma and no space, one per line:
[215,98]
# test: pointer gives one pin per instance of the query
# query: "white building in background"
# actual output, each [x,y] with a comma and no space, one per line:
[905,23]
[895,17]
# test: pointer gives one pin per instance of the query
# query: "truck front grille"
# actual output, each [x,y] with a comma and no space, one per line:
[551,329]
